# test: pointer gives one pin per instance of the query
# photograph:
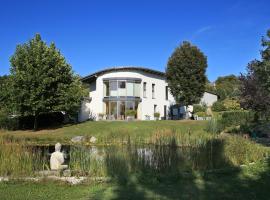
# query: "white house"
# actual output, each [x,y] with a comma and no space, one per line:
[115,90]
[208,98]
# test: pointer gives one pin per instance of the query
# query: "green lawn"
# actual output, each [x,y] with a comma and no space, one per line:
[104,130]
[248,183]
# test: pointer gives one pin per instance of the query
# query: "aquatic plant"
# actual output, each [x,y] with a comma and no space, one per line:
[86,161]
[18,159]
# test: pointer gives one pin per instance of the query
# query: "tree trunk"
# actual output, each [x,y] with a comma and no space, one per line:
[36,122]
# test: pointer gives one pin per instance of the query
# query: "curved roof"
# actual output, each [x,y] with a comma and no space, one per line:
[122,68]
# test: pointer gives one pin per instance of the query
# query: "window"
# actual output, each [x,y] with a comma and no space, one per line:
[144,89]
[113,88]
[122,84]
[165,112]
[137,89]
[121,88]
[106,89]
[130,89]
[155,108]
[166,92]
[153,91]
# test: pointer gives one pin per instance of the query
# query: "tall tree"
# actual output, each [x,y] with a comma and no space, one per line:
[255,89]
[228,87]
[4,92]
[43,81]
[186,74]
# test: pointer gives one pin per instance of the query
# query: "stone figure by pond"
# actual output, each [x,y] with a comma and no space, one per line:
[57,159]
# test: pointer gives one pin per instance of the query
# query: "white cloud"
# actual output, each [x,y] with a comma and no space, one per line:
[202,30]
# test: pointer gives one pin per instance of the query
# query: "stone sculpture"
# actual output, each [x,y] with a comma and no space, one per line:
[57,159]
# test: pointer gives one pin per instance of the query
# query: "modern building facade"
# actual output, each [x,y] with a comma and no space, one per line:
[114,91]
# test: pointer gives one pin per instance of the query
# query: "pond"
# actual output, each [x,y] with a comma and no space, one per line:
[104,160]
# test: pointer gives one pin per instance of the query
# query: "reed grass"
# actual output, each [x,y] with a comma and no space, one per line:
[172,152]
[18,159]
[84,161]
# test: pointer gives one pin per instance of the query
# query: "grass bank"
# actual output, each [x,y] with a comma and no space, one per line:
[109,132]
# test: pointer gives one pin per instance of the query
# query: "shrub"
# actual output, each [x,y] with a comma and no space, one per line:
[201,114]
[7,122]
[130,112]
[218,106]
[231,104]
[199,108]
[235,118]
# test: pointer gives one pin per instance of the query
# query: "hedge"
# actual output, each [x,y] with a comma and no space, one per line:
[27,122]
[198,108]
[237,117]
[218,106]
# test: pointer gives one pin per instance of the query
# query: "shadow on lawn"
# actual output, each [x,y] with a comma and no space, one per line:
[168,175]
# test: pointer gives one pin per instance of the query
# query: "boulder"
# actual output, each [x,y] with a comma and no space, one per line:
[93,139]
[78,139]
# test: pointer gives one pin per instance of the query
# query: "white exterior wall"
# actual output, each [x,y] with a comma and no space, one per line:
[146,106]
[208,99]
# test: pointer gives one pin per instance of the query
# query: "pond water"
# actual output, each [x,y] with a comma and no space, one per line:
[159,158]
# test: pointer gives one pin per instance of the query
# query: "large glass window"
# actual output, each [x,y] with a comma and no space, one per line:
[113,88]
[121,88]
[113,110]
[117,109]
[122,84]
[107,104]
[130,89]
[137,89]
[121,110]
[129,105]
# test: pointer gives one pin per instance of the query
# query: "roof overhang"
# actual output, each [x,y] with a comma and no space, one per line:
[90,78]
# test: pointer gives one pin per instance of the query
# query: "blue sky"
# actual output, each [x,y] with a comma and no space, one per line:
[93,35]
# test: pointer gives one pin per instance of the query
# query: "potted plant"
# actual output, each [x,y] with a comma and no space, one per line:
[156,115]
[130,114]
[100,116]
[147,117]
